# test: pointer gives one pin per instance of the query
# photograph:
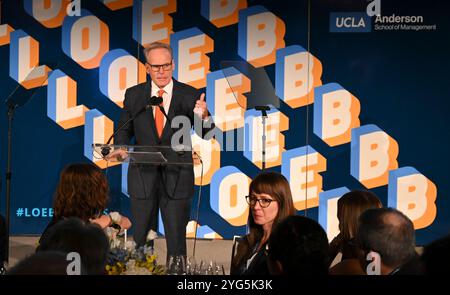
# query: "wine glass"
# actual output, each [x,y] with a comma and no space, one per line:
[198,268]
[219,270]
[210,269]
[170,265]
[181,264]
[191,266]
[176,265]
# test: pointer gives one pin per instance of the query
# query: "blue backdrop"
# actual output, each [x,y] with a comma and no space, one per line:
[400,78]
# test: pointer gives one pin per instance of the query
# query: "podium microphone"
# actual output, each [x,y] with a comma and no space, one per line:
[157,101]
[154,101]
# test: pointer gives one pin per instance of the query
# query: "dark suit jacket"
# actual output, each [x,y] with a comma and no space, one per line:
[143,179]
[412,267]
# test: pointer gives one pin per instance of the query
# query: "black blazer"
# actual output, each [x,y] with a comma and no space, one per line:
[143,179]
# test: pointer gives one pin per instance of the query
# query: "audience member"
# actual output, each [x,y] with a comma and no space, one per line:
[75,235]
[270,201]
[350,206]
[82,192]
[436,257]
[298,246]
[43,263]
[390,234]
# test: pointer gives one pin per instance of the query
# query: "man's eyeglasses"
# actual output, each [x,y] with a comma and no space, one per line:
[164,67]
[264,203]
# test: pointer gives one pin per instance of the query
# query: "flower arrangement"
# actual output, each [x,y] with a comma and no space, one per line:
[125,259]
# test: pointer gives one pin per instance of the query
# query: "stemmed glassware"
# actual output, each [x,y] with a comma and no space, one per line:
[179,265]
[176,265]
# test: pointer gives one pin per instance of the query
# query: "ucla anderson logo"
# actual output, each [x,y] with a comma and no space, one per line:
[350,22]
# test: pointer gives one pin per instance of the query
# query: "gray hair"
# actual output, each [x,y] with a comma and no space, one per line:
[156,45]
[388,232]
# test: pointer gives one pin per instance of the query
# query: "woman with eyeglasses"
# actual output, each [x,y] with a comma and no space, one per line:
[270,201]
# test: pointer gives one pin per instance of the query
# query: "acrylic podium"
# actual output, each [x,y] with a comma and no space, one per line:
[151,155]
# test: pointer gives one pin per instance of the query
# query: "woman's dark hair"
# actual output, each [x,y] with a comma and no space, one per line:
[350,206]
[82,192]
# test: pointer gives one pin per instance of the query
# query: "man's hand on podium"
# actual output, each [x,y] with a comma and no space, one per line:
[118,155]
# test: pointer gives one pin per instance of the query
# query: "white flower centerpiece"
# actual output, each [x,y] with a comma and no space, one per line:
[125,259]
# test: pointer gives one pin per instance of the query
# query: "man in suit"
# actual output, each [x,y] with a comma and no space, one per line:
[169,188]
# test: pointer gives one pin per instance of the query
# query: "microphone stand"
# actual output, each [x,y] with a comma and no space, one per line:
[16,99]
[198,205]
[11,108]
[263,110]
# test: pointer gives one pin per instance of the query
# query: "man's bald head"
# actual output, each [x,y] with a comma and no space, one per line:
[388,232]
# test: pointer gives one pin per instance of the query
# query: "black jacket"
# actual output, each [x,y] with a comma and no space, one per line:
[143,179]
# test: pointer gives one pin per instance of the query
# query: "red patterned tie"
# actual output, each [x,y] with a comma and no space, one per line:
[159,116]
